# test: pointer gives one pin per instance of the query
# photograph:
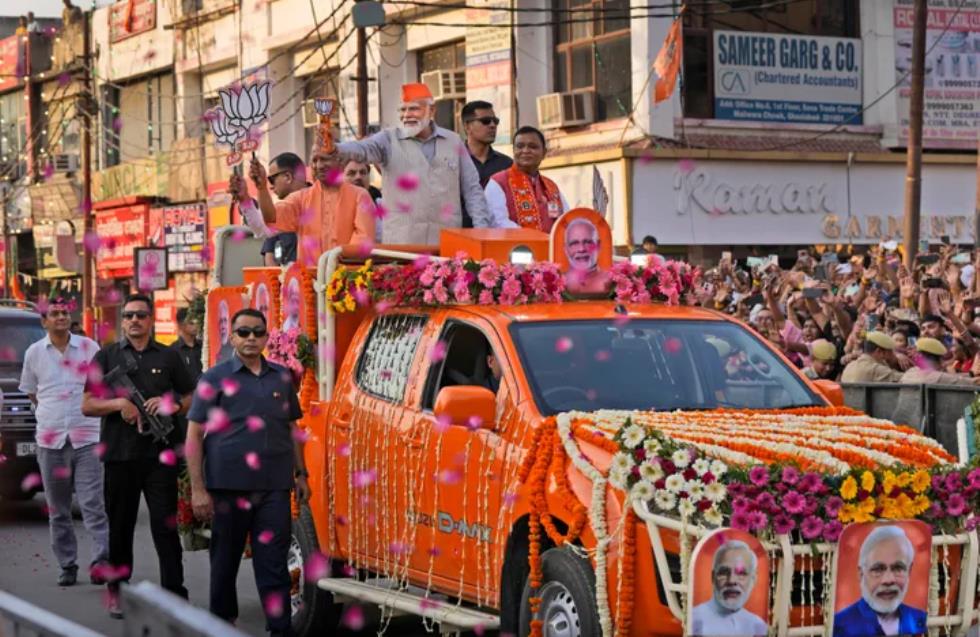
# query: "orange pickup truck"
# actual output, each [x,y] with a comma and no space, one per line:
[424,440]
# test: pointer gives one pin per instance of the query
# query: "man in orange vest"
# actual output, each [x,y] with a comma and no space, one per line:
[521,197]
[330,213]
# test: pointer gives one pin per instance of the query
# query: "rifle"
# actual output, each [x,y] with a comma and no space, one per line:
[159,426]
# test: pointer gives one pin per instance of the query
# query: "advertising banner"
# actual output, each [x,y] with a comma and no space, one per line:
[185,234]
[488,63]
[952,73]
[130,17]
[120,231]
[774,77]
[11,62]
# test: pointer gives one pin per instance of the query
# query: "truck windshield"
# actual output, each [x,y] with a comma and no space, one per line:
[654,365]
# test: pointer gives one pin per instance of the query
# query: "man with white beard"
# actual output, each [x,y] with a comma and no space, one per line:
[733,573]
[426,172]
[884,566]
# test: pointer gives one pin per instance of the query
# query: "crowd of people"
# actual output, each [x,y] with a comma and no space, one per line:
[859,318]
[431,179]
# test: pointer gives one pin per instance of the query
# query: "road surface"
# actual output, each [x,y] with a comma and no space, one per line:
[28,570]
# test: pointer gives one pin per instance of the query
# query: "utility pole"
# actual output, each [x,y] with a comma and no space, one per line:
[976,207]
[362,82]
[913,164]
[88,102]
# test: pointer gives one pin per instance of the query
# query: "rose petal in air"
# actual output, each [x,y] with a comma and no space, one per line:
[238,235]
[252,460]
[218,421]
[438,352]
[229,387]
[353,617]
[61,473]
[168,457]
[254,423]
[563,344]
[30,481]
[273,604]
[443,421]
[206,391]
[265,536]
[317,567]
[343,449]
[408,181]
[685,166]
[365,477]
[380,211]
[168,406]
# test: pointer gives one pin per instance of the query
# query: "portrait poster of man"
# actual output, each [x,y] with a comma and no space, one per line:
[729,586]
[581,246]
[222,305]
[882,585]
[293,312]
[261,282]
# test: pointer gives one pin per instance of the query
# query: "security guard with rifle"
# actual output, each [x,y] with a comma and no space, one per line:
[143,383]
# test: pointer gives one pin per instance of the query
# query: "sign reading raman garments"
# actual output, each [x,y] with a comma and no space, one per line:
[769,77]
[130,17]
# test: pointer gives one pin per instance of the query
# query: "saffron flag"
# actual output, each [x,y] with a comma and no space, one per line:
[600,197]
[668,63]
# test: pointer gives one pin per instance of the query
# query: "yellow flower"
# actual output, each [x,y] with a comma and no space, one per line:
[846,513]
[890,508]
[920,505]
[889,482]
[867,505]
[921,481]
[849,489]
[904,479]
[906,506]
[868,481]
[349,303]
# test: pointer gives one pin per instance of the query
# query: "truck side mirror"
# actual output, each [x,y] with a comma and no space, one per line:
[831,391]
[469,406]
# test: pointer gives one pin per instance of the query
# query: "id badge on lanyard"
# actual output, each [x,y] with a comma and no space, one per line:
[553,209]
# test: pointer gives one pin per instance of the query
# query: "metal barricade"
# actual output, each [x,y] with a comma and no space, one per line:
[19,618]
[150,610]
[931,409]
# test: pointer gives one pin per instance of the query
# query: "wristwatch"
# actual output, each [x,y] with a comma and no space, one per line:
[301,473]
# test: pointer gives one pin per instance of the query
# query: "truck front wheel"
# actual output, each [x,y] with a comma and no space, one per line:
[567,593]
[313,609]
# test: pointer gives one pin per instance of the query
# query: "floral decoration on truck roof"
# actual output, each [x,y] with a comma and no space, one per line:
[463,280]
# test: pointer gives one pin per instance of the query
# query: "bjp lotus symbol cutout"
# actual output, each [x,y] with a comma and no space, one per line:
[324,106]
[235,122]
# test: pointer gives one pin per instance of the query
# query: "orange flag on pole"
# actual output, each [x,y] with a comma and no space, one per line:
[668,63]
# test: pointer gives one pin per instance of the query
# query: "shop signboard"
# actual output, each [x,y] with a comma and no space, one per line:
[952,72]
[131,17]
[185,235]
[774,77]
[717,202]
[137,178]
[45,239]
[120,231]
[488,60]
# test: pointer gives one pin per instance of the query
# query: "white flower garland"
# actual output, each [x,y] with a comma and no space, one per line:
[597,516]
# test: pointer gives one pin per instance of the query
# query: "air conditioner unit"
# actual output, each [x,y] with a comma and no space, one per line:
[563,110]
[65,163]
[445,84]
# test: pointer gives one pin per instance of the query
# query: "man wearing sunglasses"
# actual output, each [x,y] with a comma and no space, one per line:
[480,124]
[286,175]
[242,471]
[135,464]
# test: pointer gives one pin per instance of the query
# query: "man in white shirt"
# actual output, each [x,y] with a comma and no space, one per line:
[733,574]
[54,374]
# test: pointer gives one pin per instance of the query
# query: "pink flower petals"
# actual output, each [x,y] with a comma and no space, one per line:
[563,344]
[30,482]
[273,604]
[61,473]
[253,461]
[365,478]
[254,423]
[168,457]
[353,617]
[438,352]
[168,406]
[317,567]
[218,421]
[407,181]
[229,387]
[265,536]
[206,391]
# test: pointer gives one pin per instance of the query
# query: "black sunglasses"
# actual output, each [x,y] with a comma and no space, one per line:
[486,121]
[245,332]
[272,177]
[129,316]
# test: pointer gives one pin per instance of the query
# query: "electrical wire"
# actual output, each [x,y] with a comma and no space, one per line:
[598,9]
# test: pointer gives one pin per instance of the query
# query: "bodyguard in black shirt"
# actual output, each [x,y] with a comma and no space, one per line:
[242,447]
[188,345]
[480,124]
[133,461]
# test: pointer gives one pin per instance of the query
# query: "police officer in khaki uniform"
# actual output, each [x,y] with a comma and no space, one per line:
[876,364]
[823,355]
[928,369]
